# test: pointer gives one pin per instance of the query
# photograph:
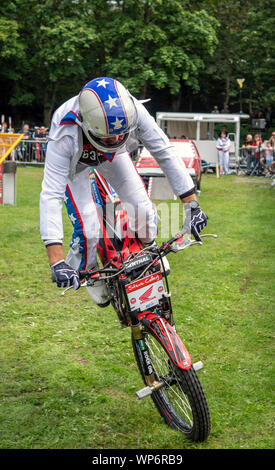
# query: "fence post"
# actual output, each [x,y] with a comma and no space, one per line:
[9,182]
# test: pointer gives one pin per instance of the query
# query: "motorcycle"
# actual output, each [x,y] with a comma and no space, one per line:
[138,288]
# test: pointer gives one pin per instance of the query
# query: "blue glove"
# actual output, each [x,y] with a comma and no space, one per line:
[64,275]
[195,219]
[198,222]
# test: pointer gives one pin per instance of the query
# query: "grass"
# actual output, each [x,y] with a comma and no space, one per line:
[68,376]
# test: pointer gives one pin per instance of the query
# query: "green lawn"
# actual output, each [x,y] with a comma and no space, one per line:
[68,376]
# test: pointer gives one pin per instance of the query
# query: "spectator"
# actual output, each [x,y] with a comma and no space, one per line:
[43,132]
[215,110]
[23,149]
[257,147]
[267,161]
[40,133]
[271,148]
[223,147]
[35,132]
[248,153]
[272,142]
[4,127]
[26,131]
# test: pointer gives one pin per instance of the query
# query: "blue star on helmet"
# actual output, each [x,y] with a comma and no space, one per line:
[118,124]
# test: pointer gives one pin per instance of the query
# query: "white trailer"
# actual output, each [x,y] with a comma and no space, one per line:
[200,128]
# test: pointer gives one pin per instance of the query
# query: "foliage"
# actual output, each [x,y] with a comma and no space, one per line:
[178,51]
[55,38]
[159,43]
[246,50]
[155,43]
[258,49]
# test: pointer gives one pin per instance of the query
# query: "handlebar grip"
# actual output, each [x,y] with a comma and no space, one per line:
[82,274]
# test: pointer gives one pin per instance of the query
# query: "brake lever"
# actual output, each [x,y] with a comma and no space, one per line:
[188,242]
[82,284]
[182,246]
[64,291]
[209,235]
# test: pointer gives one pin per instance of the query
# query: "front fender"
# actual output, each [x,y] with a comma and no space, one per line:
[167,336]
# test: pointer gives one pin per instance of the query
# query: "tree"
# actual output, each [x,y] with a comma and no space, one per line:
[159,44]
[257,48]
[246,50]
[55,37]
[179,49]
[11,53]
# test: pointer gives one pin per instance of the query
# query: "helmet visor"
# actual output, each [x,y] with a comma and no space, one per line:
[107,144]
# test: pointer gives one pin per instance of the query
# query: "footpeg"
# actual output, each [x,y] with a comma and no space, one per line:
[198,366]
[146,391]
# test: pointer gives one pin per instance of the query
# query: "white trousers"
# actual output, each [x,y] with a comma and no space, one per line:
[121,174]
[223,159]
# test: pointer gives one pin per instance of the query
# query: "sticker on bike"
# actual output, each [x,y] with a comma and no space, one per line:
[146,292]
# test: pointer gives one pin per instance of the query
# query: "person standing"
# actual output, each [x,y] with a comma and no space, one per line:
[223,148]
[257,147]
[248,153]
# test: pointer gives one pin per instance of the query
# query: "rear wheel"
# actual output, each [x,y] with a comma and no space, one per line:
[181,401]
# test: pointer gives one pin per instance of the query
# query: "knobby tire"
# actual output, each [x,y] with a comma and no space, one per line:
[182,402]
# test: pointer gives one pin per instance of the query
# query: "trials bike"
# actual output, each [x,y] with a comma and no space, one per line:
[139,292]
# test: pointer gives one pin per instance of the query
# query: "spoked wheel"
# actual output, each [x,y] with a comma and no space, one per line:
[181,401]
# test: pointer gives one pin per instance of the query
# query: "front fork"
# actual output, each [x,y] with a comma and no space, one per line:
[149,374]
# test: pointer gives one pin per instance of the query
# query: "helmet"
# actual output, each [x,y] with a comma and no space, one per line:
[107,110]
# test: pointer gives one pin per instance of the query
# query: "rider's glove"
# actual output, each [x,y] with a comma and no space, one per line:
[65,275]
[196,218]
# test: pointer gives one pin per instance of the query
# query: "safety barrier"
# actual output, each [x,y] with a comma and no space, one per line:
[8,144]
[30,151]
[33,152]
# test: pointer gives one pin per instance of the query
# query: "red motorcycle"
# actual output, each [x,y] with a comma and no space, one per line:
[139,292]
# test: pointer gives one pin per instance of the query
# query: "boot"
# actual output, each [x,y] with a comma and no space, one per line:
[99,292]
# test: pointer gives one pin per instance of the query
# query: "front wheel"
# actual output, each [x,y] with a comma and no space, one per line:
[181,401]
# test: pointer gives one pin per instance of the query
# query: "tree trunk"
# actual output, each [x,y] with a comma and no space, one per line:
[227,96]
[176,101]
[143,92]
[49,104]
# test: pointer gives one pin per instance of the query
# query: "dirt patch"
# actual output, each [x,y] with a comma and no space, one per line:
[252,180]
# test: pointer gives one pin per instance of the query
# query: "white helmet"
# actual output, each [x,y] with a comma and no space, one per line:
[107,109]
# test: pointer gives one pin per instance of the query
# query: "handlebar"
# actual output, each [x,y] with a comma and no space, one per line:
[161,251]
[164,249]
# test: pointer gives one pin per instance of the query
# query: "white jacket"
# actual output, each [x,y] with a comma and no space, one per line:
[223,143]
[65,146]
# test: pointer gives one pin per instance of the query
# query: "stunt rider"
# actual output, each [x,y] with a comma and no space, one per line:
[94,129]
